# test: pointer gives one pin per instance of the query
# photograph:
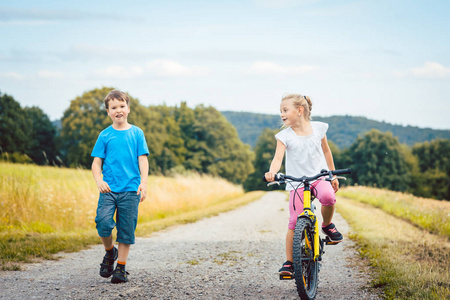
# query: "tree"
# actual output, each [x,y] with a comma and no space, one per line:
[15,128]
[433,177]
[377,161]
[83,121]
[42,137]
[217,149]
[264,152]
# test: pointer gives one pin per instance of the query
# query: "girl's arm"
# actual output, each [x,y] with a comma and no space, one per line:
[102,186]
[143,168]
[330,162]
[276,162]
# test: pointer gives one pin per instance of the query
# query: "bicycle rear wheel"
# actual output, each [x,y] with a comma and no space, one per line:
[306,269]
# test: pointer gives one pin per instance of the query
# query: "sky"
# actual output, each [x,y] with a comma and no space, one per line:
[385,60]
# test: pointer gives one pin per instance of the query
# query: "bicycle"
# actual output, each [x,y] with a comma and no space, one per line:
[308,245]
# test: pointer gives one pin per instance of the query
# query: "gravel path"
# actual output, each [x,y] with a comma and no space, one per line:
[235,255]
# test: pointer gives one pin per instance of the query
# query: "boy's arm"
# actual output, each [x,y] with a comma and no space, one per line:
[143,168]
[276,162]
[102,186]
[330,162]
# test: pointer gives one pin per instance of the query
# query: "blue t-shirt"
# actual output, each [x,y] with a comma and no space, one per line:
[119,150]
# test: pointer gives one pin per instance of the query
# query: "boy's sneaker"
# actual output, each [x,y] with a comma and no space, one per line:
[119,275]
[107,266]
[332,232]
[287,268]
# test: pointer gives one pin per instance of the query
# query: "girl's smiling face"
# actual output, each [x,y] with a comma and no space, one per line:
[289,113]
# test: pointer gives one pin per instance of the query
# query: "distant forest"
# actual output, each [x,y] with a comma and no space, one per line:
[343,130]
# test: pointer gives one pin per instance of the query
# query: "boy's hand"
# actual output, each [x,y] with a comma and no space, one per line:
[335,185]
[270,176]
[103,187]
[143,191]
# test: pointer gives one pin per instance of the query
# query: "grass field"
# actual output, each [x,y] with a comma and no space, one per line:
[429,214]
[45,210]
[411,260]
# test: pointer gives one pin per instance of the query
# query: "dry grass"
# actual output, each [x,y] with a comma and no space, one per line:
[48,199]
[44,210]
[432,215]
[410,263]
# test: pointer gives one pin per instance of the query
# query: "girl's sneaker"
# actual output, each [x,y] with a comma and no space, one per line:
[331,231]
[287,268]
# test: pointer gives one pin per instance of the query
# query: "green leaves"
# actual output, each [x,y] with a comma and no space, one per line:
[377,160]
[197,139]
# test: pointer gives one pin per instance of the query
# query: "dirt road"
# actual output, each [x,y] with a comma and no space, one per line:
[235,255]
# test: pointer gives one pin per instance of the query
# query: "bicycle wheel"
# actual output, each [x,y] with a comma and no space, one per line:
[305,268]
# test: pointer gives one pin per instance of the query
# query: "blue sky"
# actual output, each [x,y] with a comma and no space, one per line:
[385,60]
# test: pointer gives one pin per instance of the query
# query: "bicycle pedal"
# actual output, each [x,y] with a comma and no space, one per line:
[330,242]
[286,277]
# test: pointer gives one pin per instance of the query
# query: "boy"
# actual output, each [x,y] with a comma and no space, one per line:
[121,153]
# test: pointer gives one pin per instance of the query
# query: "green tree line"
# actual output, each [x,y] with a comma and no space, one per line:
[179,138]
[202,140]
[377,159]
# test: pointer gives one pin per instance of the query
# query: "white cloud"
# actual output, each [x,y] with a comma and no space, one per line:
[170,68]
[271,68]
[156,68]
[12,75]
[120,72]
[47,74]
[431,70]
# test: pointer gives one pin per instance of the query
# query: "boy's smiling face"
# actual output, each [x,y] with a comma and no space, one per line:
[118,112]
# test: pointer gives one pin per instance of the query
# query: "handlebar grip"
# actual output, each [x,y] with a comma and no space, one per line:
[264,178]
[343,171]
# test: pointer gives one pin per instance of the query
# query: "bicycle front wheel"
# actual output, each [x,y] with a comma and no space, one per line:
[306,269]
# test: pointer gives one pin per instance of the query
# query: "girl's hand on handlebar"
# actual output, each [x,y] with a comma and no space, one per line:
[335,184]
[270,176]
[103,187]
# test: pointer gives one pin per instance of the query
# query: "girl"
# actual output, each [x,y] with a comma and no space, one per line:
[307,153]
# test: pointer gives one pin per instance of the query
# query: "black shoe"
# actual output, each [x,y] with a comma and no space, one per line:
[332,232]
[287,268]
[107,266]
[119,275]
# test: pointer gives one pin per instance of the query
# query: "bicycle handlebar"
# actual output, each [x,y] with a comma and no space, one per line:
[281,177]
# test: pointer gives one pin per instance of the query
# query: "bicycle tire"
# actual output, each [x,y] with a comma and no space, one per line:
[306,269]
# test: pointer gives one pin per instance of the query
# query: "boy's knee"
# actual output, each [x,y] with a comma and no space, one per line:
[104,226]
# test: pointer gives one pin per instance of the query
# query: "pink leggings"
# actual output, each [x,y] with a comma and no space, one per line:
[320,189]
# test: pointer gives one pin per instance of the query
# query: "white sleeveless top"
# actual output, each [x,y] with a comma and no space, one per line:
[304,154]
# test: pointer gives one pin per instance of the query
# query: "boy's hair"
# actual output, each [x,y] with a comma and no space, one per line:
[300,100]
[116,95]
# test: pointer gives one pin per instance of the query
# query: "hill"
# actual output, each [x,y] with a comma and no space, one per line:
[343,130]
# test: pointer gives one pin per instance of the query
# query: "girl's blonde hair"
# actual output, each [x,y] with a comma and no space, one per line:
[300,100]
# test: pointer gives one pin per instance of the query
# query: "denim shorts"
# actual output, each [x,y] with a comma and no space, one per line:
[126,204]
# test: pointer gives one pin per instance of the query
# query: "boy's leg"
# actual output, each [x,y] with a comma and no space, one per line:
[107,242]
[124,249]
[126,217]
[105,224]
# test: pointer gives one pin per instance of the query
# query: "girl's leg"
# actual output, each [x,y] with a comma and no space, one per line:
[327,214]
[293,214]
[290,245]
[325,193]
